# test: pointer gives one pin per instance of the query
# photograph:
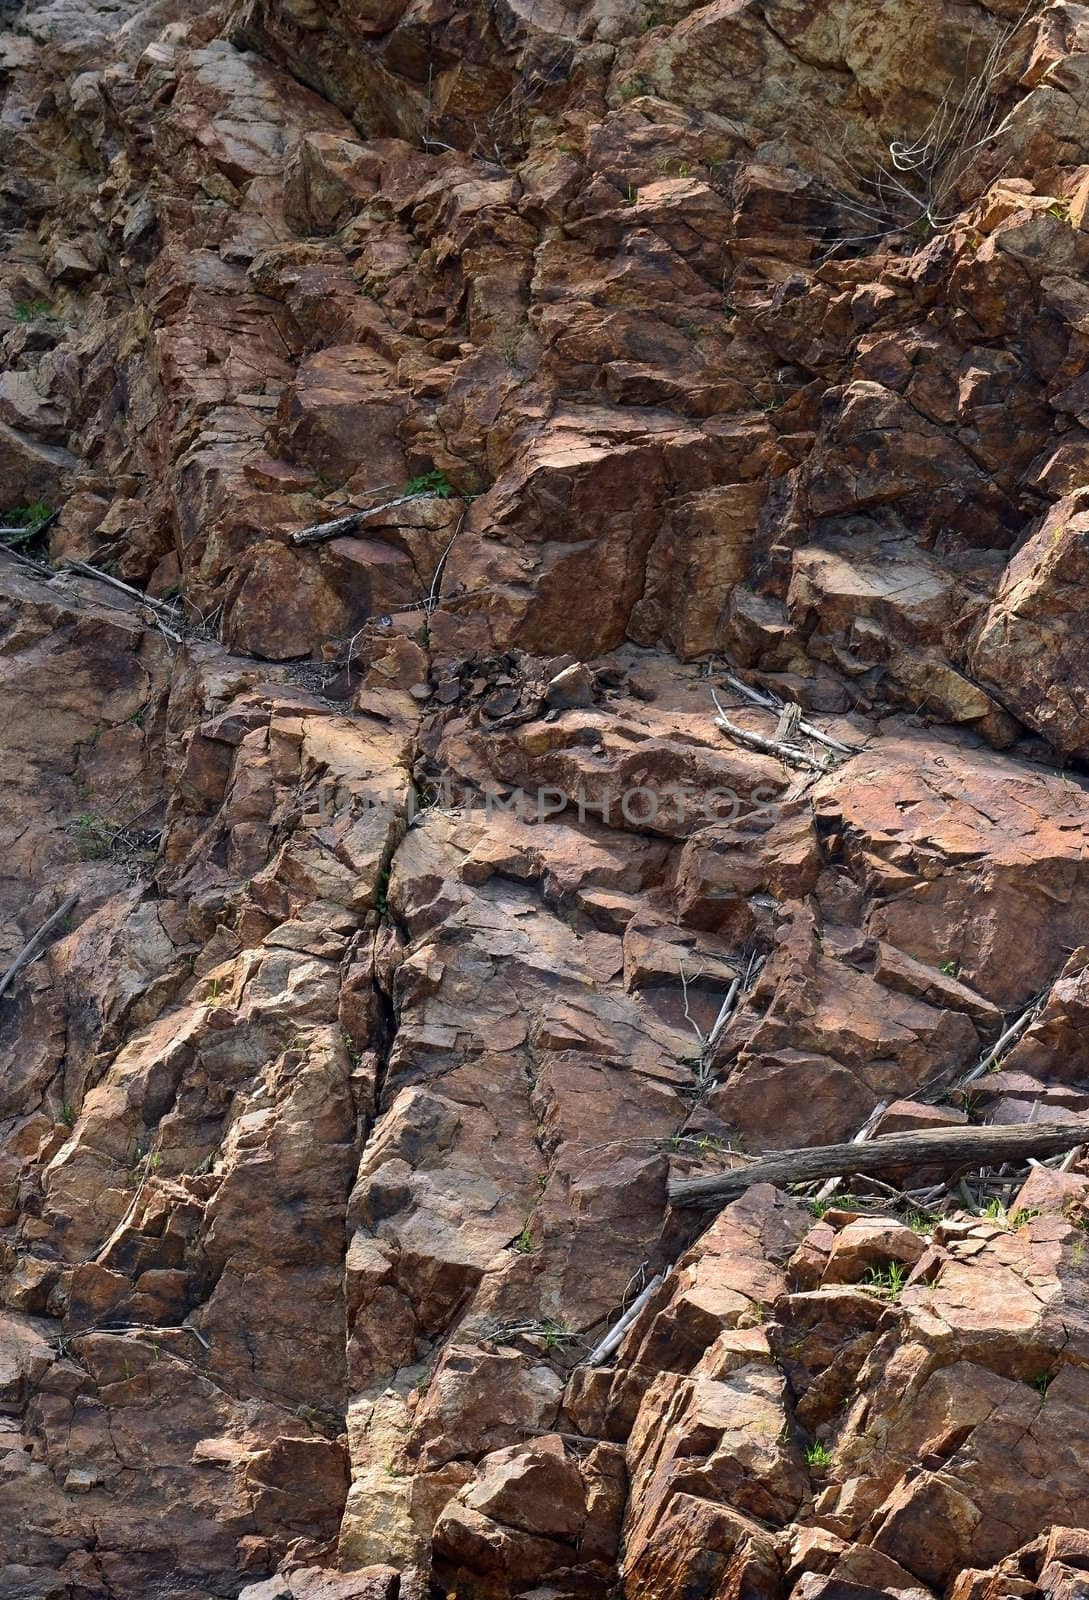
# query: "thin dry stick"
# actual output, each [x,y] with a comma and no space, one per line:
[433,595]
[723,1016]
[613,1338]
[158,608]
[35,944]
[790,754]
[768,703]
[1011,1035]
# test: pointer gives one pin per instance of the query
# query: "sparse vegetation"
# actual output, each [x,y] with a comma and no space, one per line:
[524,1242]
[996,1211]
[23,524]
[31,516]
[93,837]
[31,310]
[818,1456]
[917,186]
[144,1163]
[887,1281]
[433,483]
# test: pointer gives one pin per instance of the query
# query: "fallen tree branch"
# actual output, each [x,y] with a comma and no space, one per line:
[615,1335]
[788,753]
[160,609]
[1011,1035]
[35,944]
[340,527]
[769,703]
[934,1147]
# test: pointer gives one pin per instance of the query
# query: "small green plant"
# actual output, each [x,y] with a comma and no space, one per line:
[1025,1214]
[31,516]
[555,1333]
[995,1211]
[633,88]
[1042,1382]
[93,838]
[68,1114]
[524,1242]
[839,1202]
[950,969]
[1077,1252]
[887,1281]
[818,1456]
[971,1104]
[144,1163]
[31,310]
[919,1222]
[381,893]
[432,483]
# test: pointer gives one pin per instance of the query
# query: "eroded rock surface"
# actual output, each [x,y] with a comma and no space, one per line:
[426,918]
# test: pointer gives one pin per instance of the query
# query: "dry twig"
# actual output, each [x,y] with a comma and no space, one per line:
[36,943]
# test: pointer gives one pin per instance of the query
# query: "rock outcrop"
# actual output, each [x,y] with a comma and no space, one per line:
[668,744]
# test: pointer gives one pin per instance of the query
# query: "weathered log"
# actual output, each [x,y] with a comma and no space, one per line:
[935,1147]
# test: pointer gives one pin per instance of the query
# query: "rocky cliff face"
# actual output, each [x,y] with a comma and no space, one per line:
[638,364]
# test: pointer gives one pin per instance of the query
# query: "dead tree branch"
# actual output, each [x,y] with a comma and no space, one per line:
[935,1147]
[36,943]
[340,527]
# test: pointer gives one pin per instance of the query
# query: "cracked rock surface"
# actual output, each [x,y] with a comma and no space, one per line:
[675,750]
